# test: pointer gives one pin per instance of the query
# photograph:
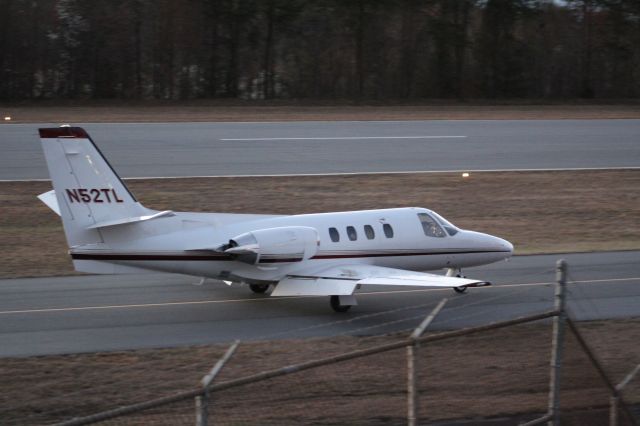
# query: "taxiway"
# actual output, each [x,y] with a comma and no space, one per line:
[41,316]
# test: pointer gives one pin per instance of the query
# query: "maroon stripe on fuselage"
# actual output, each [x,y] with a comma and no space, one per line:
[437,253]
[217,257]
[115,256]
[284,260]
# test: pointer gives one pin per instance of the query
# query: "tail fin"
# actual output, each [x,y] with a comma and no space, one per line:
[90,194]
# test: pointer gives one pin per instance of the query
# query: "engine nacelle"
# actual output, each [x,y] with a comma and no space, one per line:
[275,245]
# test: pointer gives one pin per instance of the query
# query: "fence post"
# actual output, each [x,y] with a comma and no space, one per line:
[412,398]
[614,400]
[412,388]
[202,400]
[557,344]
[613,410]
[202,413]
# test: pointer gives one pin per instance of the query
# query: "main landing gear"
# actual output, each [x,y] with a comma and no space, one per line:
[342,303]
[259,288]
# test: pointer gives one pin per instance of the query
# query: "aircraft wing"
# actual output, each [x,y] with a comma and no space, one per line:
[342,280]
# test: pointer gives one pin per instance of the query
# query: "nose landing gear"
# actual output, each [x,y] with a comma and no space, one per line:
[457,272]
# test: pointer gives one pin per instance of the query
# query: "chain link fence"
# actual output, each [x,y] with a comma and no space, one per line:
[460,388]
[177,413]
[433,377]
[355,391]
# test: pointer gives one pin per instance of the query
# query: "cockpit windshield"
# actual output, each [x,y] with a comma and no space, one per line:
[450,227]
[430,227]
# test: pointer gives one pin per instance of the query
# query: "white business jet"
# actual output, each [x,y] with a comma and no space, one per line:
[324,254]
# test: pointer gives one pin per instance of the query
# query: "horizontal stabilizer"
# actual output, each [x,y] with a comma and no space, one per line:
[49,198]
[128,220]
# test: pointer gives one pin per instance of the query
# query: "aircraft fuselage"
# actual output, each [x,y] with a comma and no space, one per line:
[405,246]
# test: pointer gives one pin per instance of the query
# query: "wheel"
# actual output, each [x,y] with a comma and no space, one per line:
[335,304]
[259,288]
[460,289]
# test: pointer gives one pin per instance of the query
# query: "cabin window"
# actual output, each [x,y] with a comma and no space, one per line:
[368,231]
[430,227]
[388,230]
[334,234]
[351,233]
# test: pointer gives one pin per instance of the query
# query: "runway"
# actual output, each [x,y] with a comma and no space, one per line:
[43,316]
[206,149]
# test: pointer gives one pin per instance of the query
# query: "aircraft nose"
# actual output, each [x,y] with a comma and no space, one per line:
[505,245]
[490,248]
[499,244]
[490,242]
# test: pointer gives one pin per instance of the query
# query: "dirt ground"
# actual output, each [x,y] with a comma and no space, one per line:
[498,374]
[537,211]
[118,112]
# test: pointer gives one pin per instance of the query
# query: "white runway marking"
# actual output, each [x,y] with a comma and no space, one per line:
[574,169]
[204,302]
[338,138]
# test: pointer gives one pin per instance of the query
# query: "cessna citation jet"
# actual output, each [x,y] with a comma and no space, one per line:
[324,254]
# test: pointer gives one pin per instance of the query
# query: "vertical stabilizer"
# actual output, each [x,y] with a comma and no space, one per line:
[88,190]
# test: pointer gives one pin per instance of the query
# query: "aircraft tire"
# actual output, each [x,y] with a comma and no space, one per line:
[335,304]
[460,289]
[259,288]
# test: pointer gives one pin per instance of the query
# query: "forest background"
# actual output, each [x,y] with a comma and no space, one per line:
[381,50]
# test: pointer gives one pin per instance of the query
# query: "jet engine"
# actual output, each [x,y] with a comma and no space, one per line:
[274,245]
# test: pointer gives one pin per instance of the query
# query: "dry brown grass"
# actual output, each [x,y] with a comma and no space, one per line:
[239,111]
[537,211]
[499,373]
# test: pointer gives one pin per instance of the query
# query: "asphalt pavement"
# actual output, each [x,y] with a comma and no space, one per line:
[211,149]
[40,316]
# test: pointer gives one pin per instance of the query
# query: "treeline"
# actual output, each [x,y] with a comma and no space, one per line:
[319,49]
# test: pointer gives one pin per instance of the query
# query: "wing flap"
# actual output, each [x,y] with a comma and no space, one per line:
[314,286]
